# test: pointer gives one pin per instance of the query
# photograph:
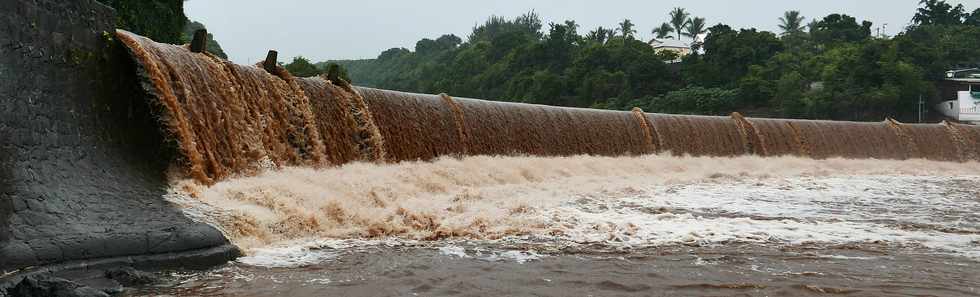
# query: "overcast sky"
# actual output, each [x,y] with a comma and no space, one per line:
[349,29]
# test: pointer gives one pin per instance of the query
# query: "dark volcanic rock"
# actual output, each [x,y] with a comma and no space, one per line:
[82,157]
[35,286]
[128,276]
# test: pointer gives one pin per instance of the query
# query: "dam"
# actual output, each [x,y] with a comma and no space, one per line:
[226,118]
[96,123]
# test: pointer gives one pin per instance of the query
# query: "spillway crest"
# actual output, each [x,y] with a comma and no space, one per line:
[228,119]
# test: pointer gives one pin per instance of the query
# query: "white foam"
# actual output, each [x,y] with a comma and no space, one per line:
[619,202]
[454,251]
[790,211]
[520,257]
[906,199]
[287,257]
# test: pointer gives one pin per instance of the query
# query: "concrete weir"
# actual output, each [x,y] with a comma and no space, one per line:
[82,159]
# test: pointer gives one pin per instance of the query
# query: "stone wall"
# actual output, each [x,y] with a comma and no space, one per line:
[82,159]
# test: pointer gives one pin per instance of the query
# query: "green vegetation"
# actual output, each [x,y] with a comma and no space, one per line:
[160,20]
[301,67]
[833,68]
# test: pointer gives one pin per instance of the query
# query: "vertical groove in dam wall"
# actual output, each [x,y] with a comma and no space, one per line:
[414,126]
[336,120]
[459,121]
[969,138]
[651,139]
[699,135]
[828,139]
[498,128]
[933,142]
[750,136]
[778,137]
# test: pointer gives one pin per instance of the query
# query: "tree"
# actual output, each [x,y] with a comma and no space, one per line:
[679,19]
[791,22]
[528,24]
[626,29]
[663,32]
[841,28]
[600,35]
[728,54]
[864,81]
[301,67]
[938,12]
[973,19]
[695,28]
[935,48]
[443,43]
[695,100]
[160,20]
[335,70]
[812,26]
[572,29]
[862,78]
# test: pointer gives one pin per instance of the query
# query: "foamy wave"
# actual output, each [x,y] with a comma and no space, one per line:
[627,201]
[299,253]
[631,228]
[289,256]
[520,257]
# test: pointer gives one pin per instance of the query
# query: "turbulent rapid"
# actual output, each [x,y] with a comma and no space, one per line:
[627,201]
[717,224]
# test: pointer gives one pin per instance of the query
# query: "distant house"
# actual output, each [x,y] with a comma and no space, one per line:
[962,90]
[676,46]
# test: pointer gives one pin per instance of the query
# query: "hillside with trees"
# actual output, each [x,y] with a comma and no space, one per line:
[160,20]
[831,67]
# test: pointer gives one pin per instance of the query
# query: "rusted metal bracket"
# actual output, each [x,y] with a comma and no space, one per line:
[271,62]
[200,42]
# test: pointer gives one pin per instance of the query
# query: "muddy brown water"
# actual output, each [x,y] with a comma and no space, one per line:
[225,118]
[735,270]
[790,235]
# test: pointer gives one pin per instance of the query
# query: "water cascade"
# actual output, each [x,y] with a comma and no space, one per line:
[227,118]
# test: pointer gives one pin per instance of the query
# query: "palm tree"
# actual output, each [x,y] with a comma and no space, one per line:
[695,28]
[679,18]
[791,22]
[610,34]
[600,35]
[663,32]
[812,26]
[626,28]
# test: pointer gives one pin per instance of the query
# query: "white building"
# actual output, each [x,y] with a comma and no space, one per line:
[963,86]
[675,46]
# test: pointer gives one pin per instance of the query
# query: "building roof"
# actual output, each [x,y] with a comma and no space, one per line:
[657,43]
[965,80]
[969,74]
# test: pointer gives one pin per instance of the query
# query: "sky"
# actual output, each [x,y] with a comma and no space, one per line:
[357,29]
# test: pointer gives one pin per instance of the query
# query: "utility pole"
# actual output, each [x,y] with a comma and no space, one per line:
[920,108]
